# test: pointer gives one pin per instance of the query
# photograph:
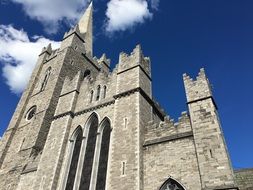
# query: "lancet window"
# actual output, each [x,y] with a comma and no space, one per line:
[45,80]
[88,158]
[104,153]
[76,142]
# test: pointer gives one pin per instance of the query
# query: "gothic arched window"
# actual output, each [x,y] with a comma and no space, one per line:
[104,95]
[89,153]
[103,156]
[76,142]
[172,184]
[45,80]
[98,92]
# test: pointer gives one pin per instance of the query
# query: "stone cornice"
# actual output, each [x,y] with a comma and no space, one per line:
[69,93]
[74,32]
[69,113]
[118,96]
[94,107]
[201,99]
[135,67]
[168,138]
[160,114]
[89,109]
[47,60]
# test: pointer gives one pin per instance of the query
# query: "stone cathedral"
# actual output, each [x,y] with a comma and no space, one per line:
[81,126]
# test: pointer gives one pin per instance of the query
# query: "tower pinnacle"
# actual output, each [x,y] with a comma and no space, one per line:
[85,27]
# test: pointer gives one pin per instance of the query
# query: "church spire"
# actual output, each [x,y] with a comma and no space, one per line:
[85,27]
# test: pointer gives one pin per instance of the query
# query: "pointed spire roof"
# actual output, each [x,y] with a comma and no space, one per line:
[86,20]
[86,28]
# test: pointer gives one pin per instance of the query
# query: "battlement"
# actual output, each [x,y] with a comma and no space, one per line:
[75,30]
[135,58]
[197,89]
[168,127]
[104,63]
[49,53]
[47,50]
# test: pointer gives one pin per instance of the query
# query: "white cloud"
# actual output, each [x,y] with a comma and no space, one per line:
[125,14]
[19,54]
[51,12]
[155,4]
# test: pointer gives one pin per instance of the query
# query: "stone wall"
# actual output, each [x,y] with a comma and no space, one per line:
[244,178]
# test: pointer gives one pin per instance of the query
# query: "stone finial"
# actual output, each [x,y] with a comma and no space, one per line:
[43,50]
[49,48]
[202,73]
[104,59]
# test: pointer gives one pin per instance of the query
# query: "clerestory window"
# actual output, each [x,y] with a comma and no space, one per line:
[98,92]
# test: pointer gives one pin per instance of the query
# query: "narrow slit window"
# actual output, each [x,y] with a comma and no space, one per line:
[125,123]
[104,92]
[91,96]
[211,153]
[123,168]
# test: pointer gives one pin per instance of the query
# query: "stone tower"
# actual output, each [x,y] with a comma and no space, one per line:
[210,145]
[81,126]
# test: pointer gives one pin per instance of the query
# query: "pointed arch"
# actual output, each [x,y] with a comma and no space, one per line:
[75,146]
[172,184]
[91,135]
[98,92]
[46,77]
[103,149]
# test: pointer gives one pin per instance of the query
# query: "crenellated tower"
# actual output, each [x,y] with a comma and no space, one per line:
[214,163]
[81,125]
[25,138]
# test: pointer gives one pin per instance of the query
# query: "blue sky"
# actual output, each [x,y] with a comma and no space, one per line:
[179,35]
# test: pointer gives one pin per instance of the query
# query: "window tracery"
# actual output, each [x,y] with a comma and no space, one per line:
[171,184]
